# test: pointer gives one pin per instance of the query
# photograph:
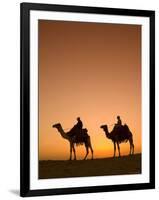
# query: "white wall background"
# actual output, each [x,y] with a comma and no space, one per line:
[9,98]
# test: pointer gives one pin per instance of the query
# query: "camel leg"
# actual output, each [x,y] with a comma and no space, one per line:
[132,144]
[118,148]
[70,151]
[74,151]
[114,149]
[131,147]
[91,150]
[87,151]
[90,146]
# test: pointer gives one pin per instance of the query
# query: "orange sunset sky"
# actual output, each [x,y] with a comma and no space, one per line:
[92,71]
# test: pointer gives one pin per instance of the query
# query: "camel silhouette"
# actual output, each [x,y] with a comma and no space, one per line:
[78,139]
[119,135]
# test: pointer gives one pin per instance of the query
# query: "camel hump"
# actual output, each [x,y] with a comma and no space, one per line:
[85,131]
[126,127]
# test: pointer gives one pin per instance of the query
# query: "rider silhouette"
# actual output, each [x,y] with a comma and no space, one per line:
[79,124]
[119,122]
[77,128]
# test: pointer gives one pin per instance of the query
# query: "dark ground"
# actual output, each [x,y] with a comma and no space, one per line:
[96,167]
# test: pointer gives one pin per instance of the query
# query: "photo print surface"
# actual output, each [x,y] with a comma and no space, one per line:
[89,103]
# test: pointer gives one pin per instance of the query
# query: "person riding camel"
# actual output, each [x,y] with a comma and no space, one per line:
[119,122]
[77,128]
[79,124]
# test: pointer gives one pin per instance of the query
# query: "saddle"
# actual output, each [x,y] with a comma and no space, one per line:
[121,128]
[78,132]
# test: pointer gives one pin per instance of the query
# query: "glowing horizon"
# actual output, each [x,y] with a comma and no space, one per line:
[92,71]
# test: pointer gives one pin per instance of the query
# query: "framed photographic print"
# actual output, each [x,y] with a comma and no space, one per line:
[87,99]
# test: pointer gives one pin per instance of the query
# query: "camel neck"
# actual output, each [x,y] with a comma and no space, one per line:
[63,134]
[107,133]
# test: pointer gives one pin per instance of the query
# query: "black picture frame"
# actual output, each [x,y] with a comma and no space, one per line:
[25,9]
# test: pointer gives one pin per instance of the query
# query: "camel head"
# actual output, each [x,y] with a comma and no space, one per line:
[104,127]
[58,125]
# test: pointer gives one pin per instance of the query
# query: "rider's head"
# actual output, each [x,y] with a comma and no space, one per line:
[78,118]
[118,117]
